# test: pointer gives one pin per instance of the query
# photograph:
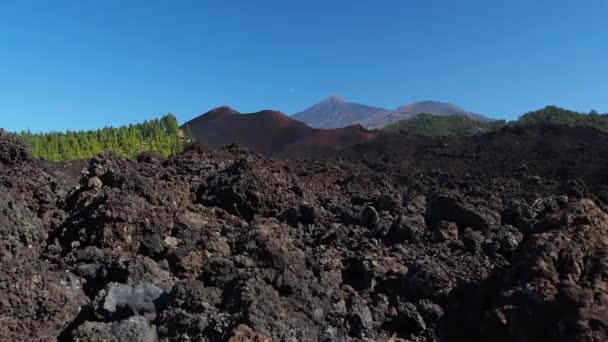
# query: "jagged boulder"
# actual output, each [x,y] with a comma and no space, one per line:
[12,151]
[556,288]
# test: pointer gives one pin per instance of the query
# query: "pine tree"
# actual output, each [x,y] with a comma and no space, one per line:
[161,135]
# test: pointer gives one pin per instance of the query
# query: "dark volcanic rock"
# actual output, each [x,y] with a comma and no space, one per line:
[415,239]
[555,288]
[407,228]
[11,150]
[450,208]
[369,216]
[248,188]
[133,329]
[19,228]
[37,302]
[446,231]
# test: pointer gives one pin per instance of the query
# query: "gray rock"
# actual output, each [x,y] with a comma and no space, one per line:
[94,183]
[121,299]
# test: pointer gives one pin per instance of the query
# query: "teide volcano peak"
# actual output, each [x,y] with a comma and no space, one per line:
[335,112]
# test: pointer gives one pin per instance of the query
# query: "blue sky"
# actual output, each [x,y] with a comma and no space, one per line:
[86,64]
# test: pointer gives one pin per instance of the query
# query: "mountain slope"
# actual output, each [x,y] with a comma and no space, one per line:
[272,133]
[384,118]
[335,112]
[444,125]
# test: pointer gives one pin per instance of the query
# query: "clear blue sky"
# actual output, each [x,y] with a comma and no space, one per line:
[85,64]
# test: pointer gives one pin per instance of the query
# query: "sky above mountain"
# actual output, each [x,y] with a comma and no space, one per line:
[84,64]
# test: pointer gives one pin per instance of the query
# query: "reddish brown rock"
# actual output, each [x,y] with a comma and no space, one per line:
[243,333]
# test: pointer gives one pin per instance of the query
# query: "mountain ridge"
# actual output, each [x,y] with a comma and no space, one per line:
[335,111]
[272,133]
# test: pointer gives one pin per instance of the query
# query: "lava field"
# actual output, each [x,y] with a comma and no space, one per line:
[499,237]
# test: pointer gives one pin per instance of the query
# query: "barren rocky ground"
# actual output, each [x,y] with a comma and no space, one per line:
[501,237]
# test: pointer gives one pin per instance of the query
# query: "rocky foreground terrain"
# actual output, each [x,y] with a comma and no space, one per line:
[502,237]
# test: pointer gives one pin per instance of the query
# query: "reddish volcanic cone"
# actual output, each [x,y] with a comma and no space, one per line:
[272,133]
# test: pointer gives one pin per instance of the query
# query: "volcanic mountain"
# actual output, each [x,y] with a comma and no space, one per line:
[272,133]
[335,112]
[381,119]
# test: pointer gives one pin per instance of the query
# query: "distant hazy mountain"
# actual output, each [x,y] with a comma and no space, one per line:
[381,119]
[272,133]
[335,112]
